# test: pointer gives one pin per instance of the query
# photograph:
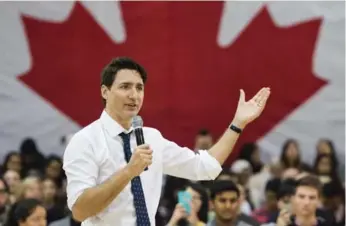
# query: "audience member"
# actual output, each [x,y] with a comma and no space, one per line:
[225,198]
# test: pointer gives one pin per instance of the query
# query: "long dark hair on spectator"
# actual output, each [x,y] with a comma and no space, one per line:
[333,174]
[203,211]
[332,153]
[283,158]
[7,159]
[246,153]
[59,180]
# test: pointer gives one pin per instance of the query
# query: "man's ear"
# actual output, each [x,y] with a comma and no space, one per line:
[104,92]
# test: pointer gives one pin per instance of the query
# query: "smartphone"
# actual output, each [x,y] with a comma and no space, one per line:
[288,207]
[184,198]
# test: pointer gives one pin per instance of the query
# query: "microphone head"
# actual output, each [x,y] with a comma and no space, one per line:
[137,122]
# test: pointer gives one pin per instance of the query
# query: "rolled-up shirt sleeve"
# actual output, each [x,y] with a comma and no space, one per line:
[184,163]
[80,167]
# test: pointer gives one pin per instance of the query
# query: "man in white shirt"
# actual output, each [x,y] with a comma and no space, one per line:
[107,183]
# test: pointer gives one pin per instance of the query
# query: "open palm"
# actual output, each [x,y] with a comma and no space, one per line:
[247,111]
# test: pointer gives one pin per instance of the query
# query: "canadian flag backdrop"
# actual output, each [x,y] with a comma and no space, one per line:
[197,54]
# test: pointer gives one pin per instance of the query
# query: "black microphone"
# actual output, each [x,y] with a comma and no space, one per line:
[137,124]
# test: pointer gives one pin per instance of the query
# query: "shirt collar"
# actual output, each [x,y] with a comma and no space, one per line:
[112,126]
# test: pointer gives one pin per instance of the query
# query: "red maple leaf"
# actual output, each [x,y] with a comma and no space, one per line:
[192,82]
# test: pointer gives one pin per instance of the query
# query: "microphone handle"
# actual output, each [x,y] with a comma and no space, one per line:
[140,139]
[139,136]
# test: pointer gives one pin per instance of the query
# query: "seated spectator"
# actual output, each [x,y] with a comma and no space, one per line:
[225,200]
[263,214]
[13,162]
[325,168]
[31,187]
[204,140]
[284,197]
[54,171]
[27,212]
[305,206]
[334,201]
[55,210]
[250,152]
[12,178]
[290,156]
[199,208]
[32,159]
[258,182]
[245,206]
[242,169]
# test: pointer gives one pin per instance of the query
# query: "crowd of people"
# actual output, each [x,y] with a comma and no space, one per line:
[249,192]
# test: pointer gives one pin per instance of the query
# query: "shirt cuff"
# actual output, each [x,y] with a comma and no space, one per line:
[211,166]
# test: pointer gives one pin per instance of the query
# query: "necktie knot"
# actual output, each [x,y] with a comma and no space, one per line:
[125,136]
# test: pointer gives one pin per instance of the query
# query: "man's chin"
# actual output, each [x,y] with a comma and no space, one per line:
[131,114]
[227,217]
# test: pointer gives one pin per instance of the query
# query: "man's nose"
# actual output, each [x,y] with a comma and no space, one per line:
[306,201]
[133,93]
[228,205]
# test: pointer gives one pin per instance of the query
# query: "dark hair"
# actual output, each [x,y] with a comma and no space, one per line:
[331,146]
[273,185]
[220,186]
[226,172]
[28,147]
[203,212]
[203,132]
[283,158]
[7,159]
[333,164]
[110,71]
[246,152]
[287,188]
[21,210]
[311,181]
[54,158]
[332,189]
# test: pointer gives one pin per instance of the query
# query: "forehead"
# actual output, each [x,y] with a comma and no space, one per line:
[305,190]
[128,76]
[192,191]
[14,157]
[204,138]
[39,211]
[227,195]
[11,173]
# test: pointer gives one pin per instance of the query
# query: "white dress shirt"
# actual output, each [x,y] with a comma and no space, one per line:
[96,152]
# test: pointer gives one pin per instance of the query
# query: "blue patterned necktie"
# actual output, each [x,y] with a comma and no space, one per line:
[136,187]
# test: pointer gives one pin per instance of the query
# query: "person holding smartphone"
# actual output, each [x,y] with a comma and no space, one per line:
[192,207]
[305,202]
